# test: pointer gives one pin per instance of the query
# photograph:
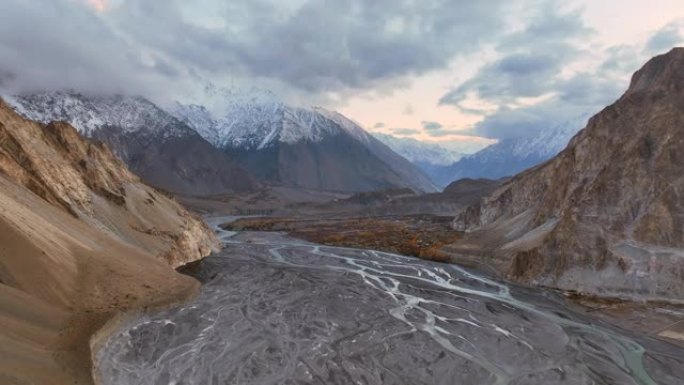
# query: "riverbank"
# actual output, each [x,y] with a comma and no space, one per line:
[119,320]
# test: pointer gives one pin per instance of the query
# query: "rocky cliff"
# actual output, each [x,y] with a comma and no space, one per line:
[606,215]
[81,239]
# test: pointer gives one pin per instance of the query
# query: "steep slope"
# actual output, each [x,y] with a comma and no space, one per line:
[156,146]
[510,156]
[430,158]
[606,215]
[307,148]
[81,239]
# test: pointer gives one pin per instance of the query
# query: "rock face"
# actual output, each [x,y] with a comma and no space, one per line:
[87,180]
[303,148]
[606,215]
[81,238]
[162,150]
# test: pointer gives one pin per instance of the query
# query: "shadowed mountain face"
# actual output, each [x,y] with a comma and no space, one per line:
[334,163]
[606,214]
[307,148]
[156,146]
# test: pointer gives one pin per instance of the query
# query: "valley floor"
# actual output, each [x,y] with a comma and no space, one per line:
[424,236]
[274,309]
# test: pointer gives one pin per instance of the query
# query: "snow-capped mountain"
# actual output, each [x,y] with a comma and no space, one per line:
[301,147]
[258,126]
[89,114]
[254,119]
[510,156]
[162,150]
[419,152]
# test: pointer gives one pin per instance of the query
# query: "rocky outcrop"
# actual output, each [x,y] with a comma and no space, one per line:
[87,180]
[606,215]
[81,240]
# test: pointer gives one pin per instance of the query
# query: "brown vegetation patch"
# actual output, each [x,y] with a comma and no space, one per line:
[421,236]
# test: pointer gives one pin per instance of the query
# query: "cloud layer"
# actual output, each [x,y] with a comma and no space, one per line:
[313,46]
[547,74]
[536,60]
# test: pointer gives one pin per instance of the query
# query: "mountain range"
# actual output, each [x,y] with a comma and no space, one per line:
[159,148]
[310,148]
[256,141]
[425,155]
[508,156]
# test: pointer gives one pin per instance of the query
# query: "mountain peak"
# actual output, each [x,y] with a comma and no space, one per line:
[662,72]
[303,147]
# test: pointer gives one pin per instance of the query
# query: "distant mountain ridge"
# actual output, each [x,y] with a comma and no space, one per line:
[164,151]
[422,154]
[193,153]
[257,126]
[510,156]
[302,147]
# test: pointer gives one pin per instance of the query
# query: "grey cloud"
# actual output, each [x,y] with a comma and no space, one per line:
[531,64]
[405,131]
[309,46]
[379,125]
[579,95]
[509,123]
[318,46]
[530,59]
[436,129]
[313,47]
[665,39]
[546,27]
[590,90]
[62,44]
[444,132]
[431,126]
[620,59]
[513,76]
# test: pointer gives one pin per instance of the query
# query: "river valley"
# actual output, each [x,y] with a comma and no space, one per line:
[275,310]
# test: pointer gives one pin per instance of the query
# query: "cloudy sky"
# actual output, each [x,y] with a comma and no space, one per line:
[461,73]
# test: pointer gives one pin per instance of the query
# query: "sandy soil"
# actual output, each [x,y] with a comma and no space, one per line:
[61,281]
[81,240]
